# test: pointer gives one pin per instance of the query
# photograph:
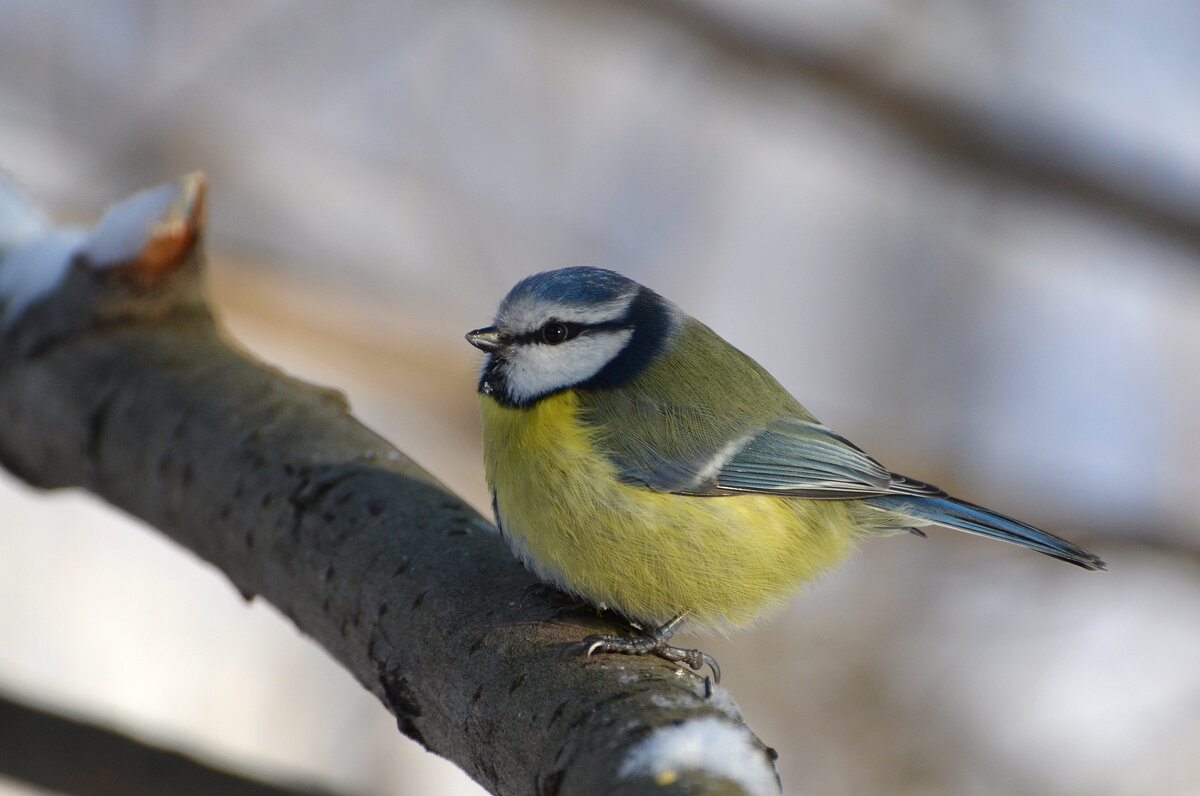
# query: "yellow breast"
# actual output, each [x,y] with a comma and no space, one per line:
[650,555]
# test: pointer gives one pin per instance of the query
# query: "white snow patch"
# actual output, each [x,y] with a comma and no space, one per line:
[21,221]
[721,699]
[705,744]
[33,270]
[121,233]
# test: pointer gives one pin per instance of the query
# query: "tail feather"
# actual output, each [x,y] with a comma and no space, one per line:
[964,516]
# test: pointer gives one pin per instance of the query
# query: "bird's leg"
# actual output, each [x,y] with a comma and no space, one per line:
[650,641]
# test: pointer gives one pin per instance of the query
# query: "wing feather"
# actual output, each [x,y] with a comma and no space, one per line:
[802,458]
[686,450]
[661,432]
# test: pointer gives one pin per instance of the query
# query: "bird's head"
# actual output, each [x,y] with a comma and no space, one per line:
[574,327]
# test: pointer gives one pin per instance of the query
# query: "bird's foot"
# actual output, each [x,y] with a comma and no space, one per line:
[653,641]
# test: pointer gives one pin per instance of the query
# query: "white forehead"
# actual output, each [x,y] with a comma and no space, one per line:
[526,312]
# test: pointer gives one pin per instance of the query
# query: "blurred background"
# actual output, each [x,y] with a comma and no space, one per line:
[966,235]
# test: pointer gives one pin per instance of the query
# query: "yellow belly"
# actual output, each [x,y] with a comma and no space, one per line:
[650,555]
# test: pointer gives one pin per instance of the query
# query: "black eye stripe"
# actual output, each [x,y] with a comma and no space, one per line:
[572,330]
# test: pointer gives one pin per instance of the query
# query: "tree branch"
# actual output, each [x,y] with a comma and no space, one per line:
[115,377]
[38,745]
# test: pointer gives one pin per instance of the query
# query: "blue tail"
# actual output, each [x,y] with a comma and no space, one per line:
[963,516]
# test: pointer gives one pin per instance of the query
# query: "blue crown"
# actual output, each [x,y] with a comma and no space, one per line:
[582,285]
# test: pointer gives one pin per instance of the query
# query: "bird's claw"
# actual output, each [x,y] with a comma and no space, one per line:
[650,643]
[695,659]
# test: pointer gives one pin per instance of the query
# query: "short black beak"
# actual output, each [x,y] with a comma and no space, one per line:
[487,339]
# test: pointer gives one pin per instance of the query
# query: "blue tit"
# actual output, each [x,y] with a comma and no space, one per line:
[639,461]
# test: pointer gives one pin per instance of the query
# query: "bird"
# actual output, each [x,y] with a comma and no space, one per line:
[637,460]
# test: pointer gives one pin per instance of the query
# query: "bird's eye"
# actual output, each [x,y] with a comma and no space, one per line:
[554,333]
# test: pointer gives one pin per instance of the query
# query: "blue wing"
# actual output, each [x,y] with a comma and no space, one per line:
[802,458]
[687,449]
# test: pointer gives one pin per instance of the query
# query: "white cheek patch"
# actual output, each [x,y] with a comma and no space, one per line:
[536,369]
